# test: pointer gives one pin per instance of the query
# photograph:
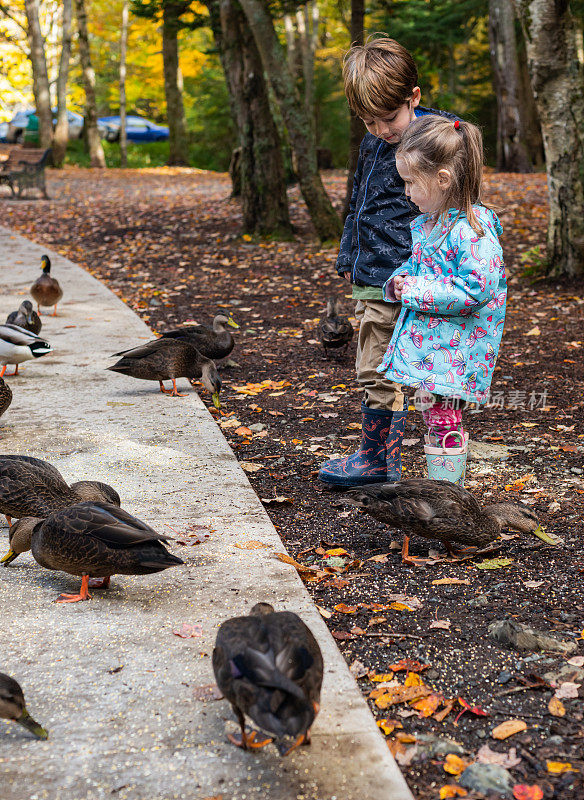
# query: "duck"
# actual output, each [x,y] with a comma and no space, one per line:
[91,539]
[5,396]
[18,345]
[444,511]
[216,342]
[334,330]
[269,666]
[32,487]
[26,317]
[12,706]
[46,290]
[169,359]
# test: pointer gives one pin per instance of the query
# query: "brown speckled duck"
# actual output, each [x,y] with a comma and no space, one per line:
[46,290]
[334,329]
[5,396]
[168,359]
[12,706]
[91,540]
[26,317]
[216,342]
[31,487]
[444,511]
[269,666]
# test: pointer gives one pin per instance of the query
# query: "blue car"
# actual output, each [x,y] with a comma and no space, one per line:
[138,129]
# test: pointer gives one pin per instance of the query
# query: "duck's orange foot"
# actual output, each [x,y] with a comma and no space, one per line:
[76,598]
[248,741]
[99,583]
[410,561]
[72,598]
[301,739]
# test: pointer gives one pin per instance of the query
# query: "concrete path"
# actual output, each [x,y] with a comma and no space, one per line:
[113,685]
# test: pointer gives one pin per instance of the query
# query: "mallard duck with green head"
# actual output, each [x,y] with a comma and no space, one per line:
[91,540]
[13,707]
[168,359]
[46,290]
[214,342]
[443,511]
[269,666]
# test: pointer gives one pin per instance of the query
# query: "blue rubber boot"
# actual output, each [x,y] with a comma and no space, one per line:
[378,459]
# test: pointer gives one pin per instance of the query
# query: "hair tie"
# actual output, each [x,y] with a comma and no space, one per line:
[456,124]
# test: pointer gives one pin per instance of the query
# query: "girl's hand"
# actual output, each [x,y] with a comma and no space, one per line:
[398,285]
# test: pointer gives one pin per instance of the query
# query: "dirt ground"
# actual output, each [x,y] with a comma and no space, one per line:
[168,243]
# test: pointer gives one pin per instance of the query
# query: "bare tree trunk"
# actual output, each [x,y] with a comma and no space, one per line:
[357,129]
[324,217]
[40,78]
[511,151]
[528,109]
[290,43]
[96,154]
[61,135]
[305,36]
[175,112]
[553,42]
[261,169]
[123,51]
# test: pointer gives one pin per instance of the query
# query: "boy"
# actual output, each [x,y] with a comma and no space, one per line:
[381,87]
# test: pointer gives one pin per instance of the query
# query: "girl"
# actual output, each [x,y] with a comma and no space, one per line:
[453,288]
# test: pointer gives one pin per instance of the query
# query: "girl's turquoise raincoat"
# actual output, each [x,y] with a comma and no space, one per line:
[447,336]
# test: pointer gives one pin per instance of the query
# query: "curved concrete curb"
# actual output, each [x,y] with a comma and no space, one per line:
[108,678]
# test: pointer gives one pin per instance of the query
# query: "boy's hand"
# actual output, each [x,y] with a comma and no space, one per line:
[347,276]
[398,285]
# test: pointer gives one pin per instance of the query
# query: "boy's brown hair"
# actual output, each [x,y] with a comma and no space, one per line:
[432,143]
[379,76]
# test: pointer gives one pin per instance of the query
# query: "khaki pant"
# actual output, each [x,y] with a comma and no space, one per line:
[377,323]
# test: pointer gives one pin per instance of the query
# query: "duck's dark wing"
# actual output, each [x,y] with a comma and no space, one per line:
[144,350]
[19,336]
[186,331]
[107,523]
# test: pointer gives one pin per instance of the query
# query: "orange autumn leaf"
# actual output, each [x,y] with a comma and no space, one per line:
[336,551]
[451,790]
[524,792]
[428,705]
[413,679]
[559,767]
[401,694]
[508,728]
[382,677]
[439,716]
[344,609]
[556,707]
[454,764]
[400,607]
[388,725]
[405,738]
[408,664]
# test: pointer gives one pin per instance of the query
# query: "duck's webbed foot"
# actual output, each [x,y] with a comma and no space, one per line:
[284,751]
[76,598]
[248,741]
[174,392]
[408,559]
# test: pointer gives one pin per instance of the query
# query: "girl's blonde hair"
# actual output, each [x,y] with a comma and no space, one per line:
[432,143]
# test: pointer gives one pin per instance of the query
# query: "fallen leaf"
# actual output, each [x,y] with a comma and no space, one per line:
[451,790]
[524,792]
[336,551]
[444,624]
[388,725]
[401,694]
[188,631]
[559,767]
[324,612]
[508,728]
[533,584]
[494,563]
[413,679]
[442,581]
[358,669]
[382,677]
[439,716]
[487,756]
[567,690]
[344,609]
[380,559]
[341,636]
[534,332]
[210,691]
[405,759]
[471,709]
[280,499]
[428,705]
[454,764]
[556,707]
[249,466]
[400,607]
[243,431]
[519,484]
[376,621]
[405,738]
[576,661]
[251,544]
[408,664]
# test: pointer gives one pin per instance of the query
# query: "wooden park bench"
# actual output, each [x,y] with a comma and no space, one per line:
[22,167]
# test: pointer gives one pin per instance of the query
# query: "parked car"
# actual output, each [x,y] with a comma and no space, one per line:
[24,126]
[138,129]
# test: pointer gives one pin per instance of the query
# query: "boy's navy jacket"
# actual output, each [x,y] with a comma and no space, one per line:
[377,238]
